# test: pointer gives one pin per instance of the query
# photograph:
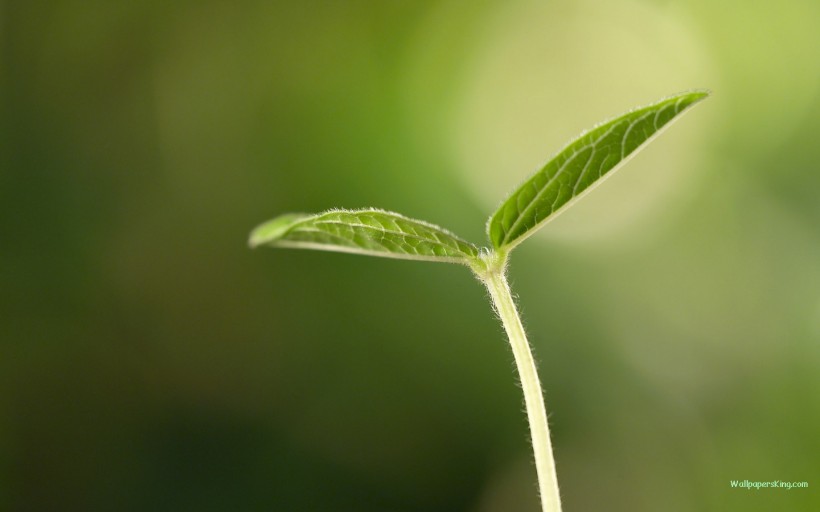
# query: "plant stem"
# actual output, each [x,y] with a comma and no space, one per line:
[495,280]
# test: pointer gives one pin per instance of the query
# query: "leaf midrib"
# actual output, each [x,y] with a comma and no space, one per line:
[392,232]
[415,236]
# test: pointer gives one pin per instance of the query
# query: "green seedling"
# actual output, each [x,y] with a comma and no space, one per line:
[573,172]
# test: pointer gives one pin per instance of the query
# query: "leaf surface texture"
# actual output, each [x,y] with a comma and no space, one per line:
[370,231]
[582,163]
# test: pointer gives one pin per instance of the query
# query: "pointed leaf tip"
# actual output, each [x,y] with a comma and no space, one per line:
[273,229]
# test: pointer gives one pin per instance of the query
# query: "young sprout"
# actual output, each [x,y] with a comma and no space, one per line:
[573,172]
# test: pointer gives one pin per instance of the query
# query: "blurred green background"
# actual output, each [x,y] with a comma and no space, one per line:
[150,361]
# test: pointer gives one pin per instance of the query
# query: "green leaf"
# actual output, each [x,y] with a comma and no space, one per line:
[582,163]
[370,231]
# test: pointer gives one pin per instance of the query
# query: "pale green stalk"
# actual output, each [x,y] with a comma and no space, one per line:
[494,278]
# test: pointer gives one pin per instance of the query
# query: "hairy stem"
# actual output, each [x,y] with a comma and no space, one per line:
[495,280]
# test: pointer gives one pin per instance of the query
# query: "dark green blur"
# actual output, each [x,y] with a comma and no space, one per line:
[150,361]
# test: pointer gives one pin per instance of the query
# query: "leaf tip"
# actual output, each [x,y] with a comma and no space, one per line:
[254,239]
[273,229]
[696,95]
